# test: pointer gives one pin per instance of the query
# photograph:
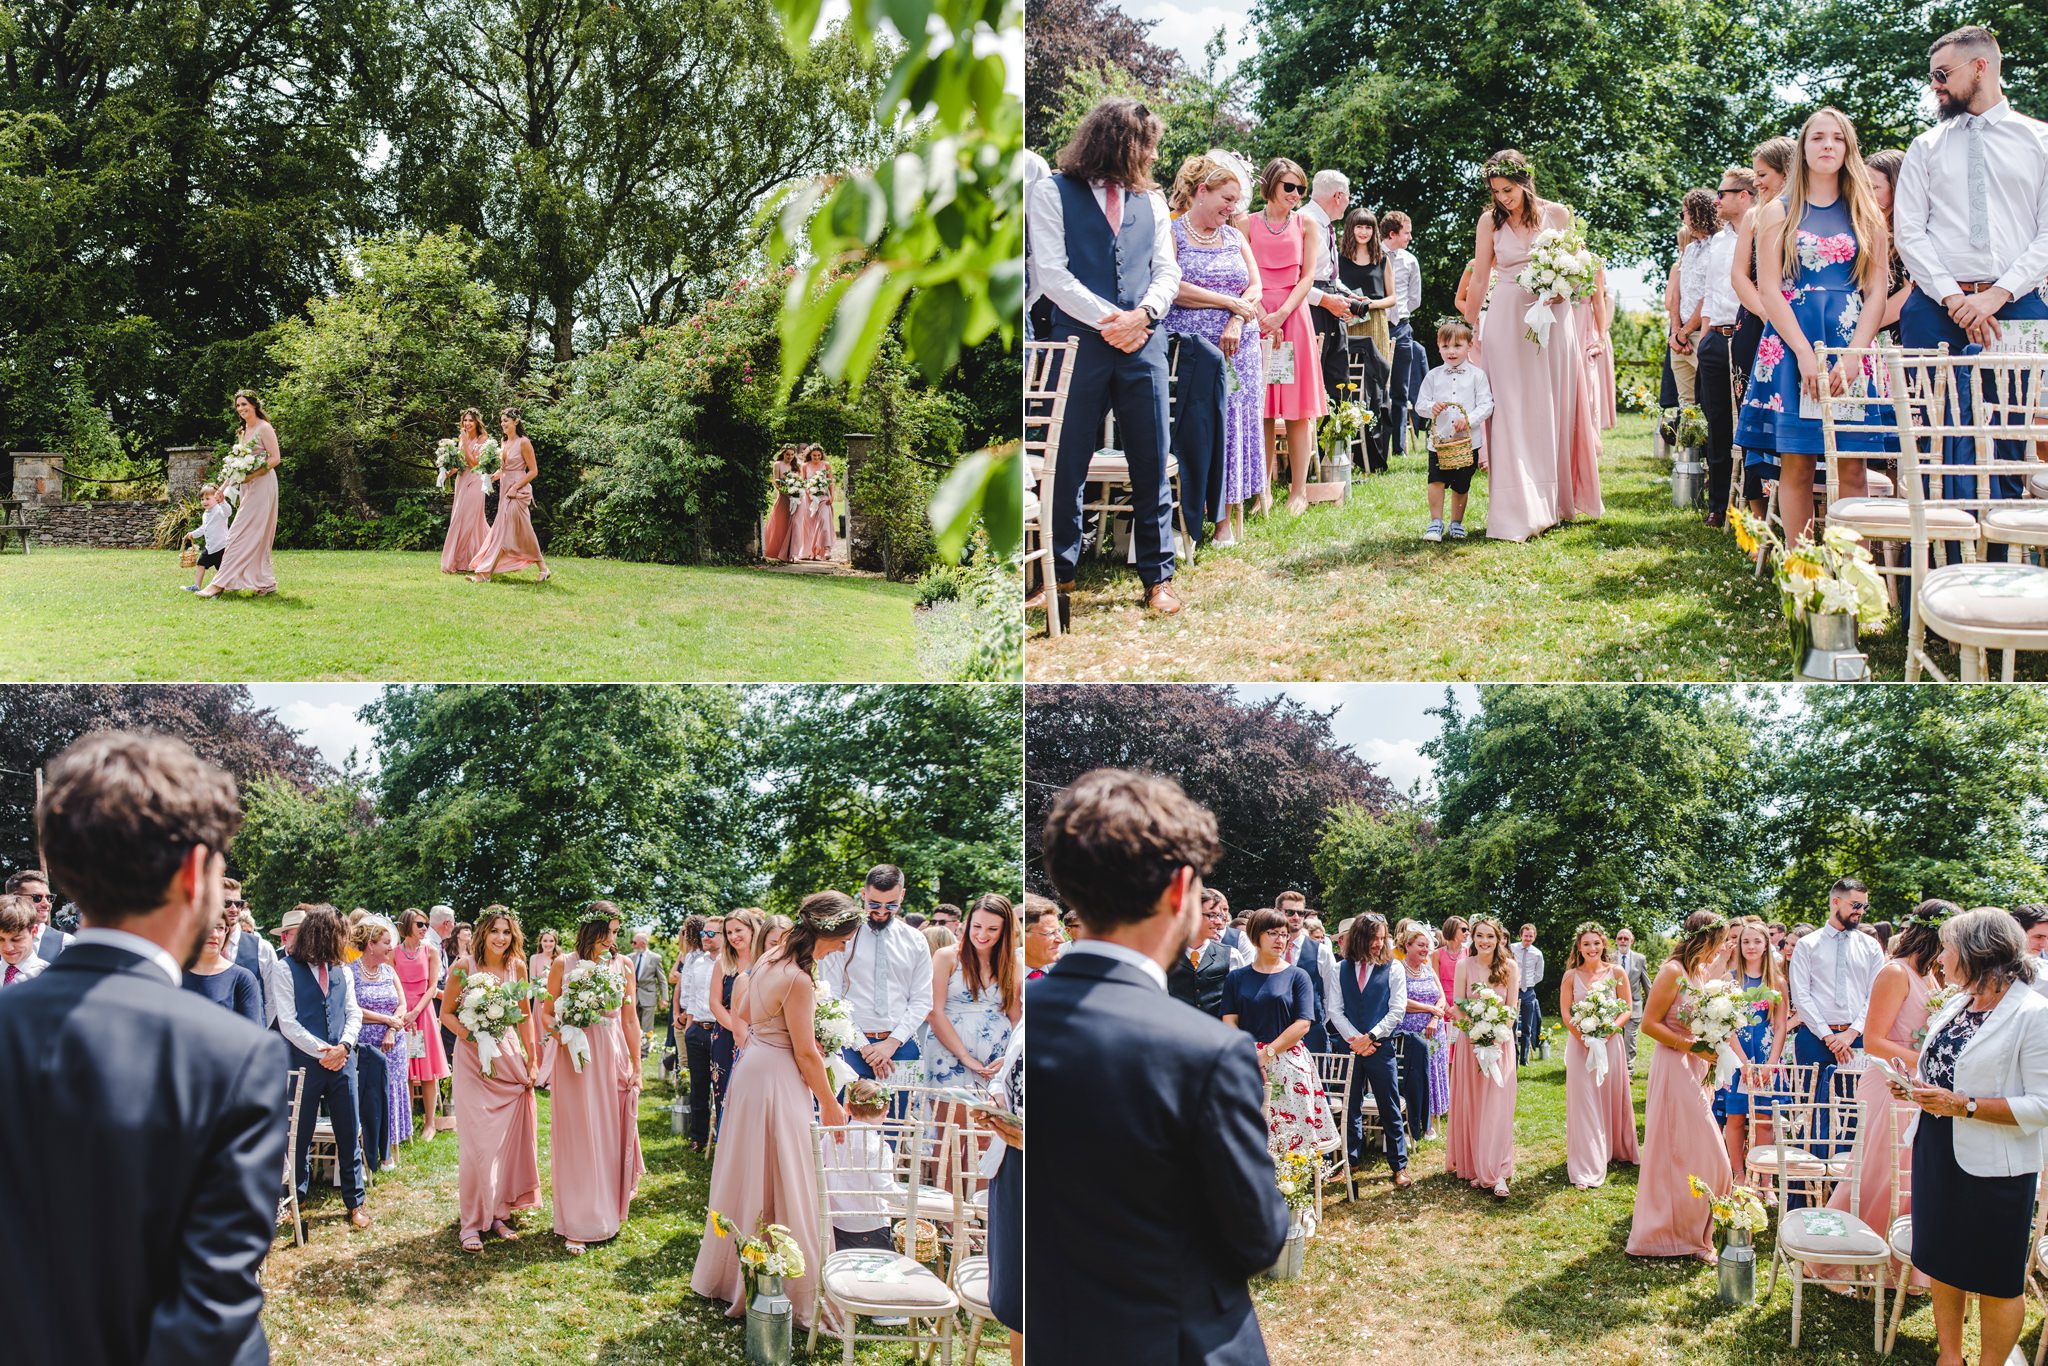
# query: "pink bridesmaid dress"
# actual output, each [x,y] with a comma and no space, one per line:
[776,541]
[245,560]
[512,544]
[1680,1141]
[498,1137]
[1479,1146]
[594,1135]
[764,1169]
[816,534]
[1875,1154]
[469,529]
[1599,1120]
[1600,368]
[1543,449]
[1279,258]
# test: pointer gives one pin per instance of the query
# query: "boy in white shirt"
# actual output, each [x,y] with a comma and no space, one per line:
[18,960]
[212,532]
[1455,381]
[862,1220]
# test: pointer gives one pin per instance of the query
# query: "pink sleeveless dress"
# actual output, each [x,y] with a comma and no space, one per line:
[497,1165]
[815,532]
[1875,1155]
[1680,1140]
[245,559]
[1543,449]
[775,536]
[763,1169]
[469,529]
[1599,1121]
[1279,258]
[1479,1145]
[594,1133]
[1600,368]
[412,975]
[512,544]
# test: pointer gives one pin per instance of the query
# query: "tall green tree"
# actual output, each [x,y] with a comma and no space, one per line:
[1378,861]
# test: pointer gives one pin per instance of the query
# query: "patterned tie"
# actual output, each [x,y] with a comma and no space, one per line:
[12,973]
[1980,186]
[1112,205]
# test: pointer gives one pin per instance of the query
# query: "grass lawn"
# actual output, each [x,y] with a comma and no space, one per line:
[392,615]
[1353,593]
[1440,1273]
[404,1291]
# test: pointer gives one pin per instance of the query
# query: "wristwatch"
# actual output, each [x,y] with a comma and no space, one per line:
[1970,1107]
[1146,309]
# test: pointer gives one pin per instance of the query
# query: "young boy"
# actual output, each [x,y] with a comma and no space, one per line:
[1455,381]
[864,1159]
[18,960]
[213,529]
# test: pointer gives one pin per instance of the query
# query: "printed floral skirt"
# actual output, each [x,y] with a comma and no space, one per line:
[1771,418]
[1297,1113]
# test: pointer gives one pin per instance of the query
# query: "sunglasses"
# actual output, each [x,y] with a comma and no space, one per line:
[236,903]
[1859,905]
[1292,186]
[1940,74]
[880,905]
[39,896]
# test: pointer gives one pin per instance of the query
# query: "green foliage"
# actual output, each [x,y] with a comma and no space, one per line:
[297,846]
[1201,110]
[940,583]
[107,462]
[1375,861]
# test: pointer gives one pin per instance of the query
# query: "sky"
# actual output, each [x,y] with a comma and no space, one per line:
[1384,723]
[324,714]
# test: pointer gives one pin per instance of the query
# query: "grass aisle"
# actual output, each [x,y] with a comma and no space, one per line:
[1353,592]
[1440,1273]
[404,1291]
[118,614]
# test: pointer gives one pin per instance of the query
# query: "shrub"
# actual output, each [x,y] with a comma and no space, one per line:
[941,583]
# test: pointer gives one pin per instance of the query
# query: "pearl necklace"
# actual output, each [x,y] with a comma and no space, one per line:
[1212,238]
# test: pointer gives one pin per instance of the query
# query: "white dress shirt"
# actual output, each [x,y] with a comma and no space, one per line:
[28,967]
[1832,972]
[1105,949]
[266,957]
[1721,303]
[1931,206]
[1529,964]
[1035,170]
[861,1173]
[1326,250]
[137,945]
[1045,221]
[885,979]
[282,992]
[693,986]
[1397,1001]
[1241,953]
[1465,385]
[1404,273]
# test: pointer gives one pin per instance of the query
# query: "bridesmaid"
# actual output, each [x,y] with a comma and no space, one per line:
[594,1142]
[816,532]
[1286,246]
[1599,1119]
[1679,1141]
[245,560]
[512,544]
[1752,965]
[1596,334]
[767,1173]
[1543,448]
[1272,1000]
[1481,1144]
[540,964]
[1449,952]
[1425,1053]
[419,968]
[1893,1026]
[496,1123]
[775,536]
[729,1031]
[469,530]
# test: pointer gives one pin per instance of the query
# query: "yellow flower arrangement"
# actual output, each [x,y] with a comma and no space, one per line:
[1740,1210]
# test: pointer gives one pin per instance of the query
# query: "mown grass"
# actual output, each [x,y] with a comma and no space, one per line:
[404,1291]
[393,616]
[1353,593]
[1441,1273]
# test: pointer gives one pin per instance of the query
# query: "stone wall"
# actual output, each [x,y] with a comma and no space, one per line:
[117,524]
[863,537]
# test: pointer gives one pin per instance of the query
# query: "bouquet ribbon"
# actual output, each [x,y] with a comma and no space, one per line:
[1727,1062]
[1489,1057]
[1596,1060]
[576,1044]
[1540,318]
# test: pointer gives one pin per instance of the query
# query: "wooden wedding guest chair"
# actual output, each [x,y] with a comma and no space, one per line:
[294,1090]
[1109,475]
[970,1272]
[1338,1074]
[1899,1234]
[1814,1236]
[1048,371]
[1767,1089]
[870,1282]
[2037,1261]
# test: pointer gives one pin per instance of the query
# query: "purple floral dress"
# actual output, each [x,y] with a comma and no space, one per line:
[1222,268]
[381,995]
[1427,989]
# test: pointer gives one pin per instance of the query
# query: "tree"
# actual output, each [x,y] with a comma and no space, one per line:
[1073,35]
[1377,861]
[308,846]
[921,777]
[1270,771]
[1200,109]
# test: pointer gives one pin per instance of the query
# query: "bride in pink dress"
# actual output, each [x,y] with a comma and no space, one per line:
[1543,449]
[776,541]
[469,529]
[245,560]
[594,1148]
[764,1171]
[1599,1117]
[1679,1137]
[512,544]
[815,534]
[1480,1143]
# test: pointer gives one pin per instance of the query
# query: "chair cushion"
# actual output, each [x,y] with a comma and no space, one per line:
[864,1278]
[1030,506]
[1109,466]
[930,1199]
[1902,1239]
[1798,1161]
[2024,519]
[970,1279]
[1857,1238]
[2037,484]
[1891,514]
[1989,597]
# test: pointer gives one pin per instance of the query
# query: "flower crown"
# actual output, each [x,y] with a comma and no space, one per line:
[1452,320]
[1506,169]
[828,924]
[1933,920]
[597,918]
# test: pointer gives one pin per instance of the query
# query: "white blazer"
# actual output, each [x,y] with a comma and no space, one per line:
[2006,1058]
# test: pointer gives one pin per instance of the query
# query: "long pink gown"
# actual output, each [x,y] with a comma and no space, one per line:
[512,544]
[594,1143]
[1480,1142]
[469,529]
[245,560]
[776,541]
[1600,368]
[815,531]
[1599,1121]
[496,1127]
[1875,1154]
[1279,258]
[764,1169]
[1680,1140]
[1543,450]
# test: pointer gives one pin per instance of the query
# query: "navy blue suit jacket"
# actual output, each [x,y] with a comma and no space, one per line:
[172,1111]
[1154,1200]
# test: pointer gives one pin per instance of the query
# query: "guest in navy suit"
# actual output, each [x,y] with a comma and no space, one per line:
[1155,1200]
[318,1016]
[1372,998]
[1103,250]
[171,1108]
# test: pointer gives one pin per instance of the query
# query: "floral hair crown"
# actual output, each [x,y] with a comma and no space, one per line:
[597,918]
[1932,920]
[1450,320]
[1507,169]
[827,924]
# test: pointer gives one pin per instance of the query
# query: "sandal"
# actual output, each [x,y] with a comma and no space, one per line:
[573,1249]
[472,1242]
[505,1231]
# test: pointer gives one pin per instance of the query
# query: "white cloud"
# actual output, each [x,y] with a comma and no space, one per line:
[1187,30]
[1400,762]
[324,715]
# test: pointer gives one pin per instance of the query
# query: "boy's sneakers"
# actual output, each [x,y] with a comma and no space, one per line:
[1434,532]
[189,587]
[1457,531]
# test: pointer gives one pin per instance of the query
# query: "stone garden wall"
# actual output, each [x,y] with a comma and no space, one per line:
[113,523]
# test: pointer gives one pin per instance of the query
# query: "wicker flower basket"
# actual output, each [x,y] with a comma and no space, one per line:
[1452,452]
[927,1241]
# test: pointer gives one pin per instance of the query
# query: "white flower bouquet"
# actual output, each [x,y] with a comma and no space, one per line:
[492,1011]
[1714,1013]
[1938,1000]
[242,460]
[1598,1015]
[832,1022]
[490,459]
[447,460]
[819,483]
[1490,1025]
[1560,269]
[791,485]
[590,991]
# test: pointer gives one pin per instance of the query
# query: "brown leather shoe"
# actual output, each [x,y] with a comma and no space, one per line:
[359,1216]
[1162,599]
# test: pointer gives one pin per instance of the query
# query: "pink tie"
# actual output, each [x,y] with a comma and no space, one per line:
[1112,204]
[12,973]
[1361,976]
[323,981]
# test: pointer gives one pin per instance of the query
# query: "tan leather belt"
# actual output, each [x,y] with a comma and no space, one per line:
[1976,286]
[1724,329]
[876,1038]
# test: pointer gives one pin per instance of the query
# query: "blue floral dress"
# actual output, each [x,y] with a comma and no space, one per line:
[1754,1041]
[982,1026]
[1827,301]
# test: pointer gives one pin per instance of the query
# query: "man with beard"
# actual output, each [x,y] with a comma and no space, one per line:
[885,976]
[174,1107]
[1830,979]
